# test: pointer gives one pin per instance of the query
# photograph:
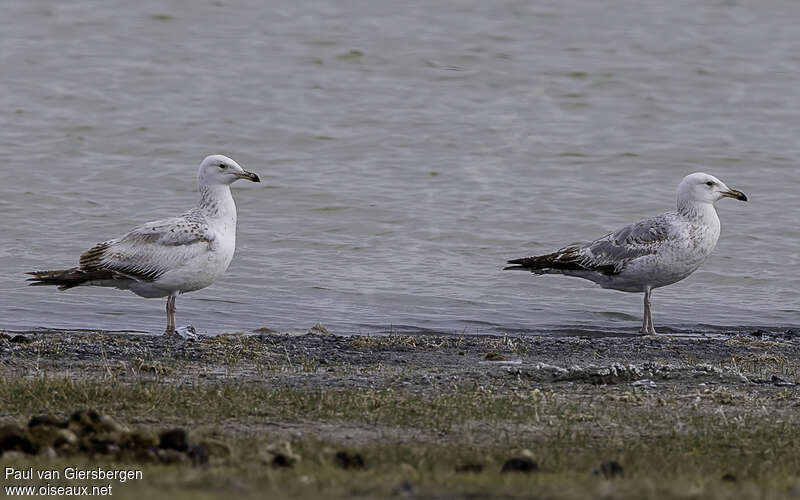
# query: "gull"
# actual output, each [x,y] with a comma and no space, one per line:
[650,253]
[167,257]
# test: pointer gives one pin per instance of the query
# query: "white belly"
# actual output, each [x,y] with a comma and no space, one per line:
[197,272]
[674,263]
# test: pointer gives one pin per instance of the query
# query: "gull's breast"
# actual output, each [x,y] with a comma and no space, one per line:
[678,258]
[205,268]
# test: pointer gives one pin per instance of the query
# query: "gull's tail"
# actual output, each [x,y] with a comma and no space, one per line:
[67,278]
[537,264]
[564,260]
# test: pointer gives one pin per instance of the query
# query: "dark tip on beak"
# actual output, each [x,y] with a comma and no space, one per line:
[250,176]
[735,193]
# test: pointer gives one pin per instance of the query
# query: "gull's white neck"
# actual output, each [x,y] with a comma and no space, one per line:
[705,221]
[216,203]
[694,209]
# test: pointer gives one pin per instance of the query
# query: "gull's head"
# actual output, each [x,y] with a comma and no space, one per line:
[221,170]
[705,188]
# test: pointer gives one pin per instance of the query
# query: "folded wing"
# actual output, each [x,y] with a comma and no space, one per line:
[150,250]
[607,255]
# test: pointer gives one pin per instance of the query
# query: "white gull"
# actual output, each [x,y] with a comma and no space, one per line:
[648,254]
[167,257]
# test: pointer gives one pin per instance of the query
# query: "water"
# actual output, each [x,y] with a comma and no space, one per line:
[405,154]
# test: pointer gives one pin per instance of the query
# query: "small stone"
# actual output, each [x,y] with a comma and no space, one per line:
[16,438]
[198,454]
[494,356]
[174,439]
[610,470]
[65,438]
[20,339]
[48,420]
[348,461]
[44,435]
[282,455]
[84,422]
[279,460]
[759,333]
[474,468]
[108,424]
[520,464]
[728,477]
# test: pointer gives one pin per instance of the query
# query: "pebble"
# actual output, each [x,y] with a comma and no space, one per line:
[520,464]
[348,461]
[174,439]
[609,470]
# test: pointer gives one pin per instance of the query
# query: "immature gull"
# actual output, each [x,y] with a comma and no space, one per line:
[167,257]
[648,254]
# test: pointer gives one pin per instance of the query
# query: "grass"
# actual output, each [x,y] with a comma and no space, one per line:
[672,444]
[416,408]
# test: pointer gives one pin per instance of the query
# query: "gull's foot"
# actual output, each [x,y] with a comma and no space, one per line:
[187,333]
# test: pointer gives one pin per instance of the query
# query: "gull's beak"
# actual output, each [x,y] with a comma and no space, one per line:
[250,176]
[735,193]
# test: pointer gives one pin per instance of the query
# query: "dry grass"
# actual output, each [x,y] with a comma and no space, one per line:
[417,408]
[671,444]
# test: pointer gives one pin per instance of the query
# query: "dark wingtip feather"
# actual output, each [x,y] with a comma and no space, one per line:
[522,264]
[37,277]
[63,279]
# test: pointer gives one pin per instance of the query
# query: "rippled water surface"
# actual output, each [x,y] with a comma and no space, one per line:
[406,152]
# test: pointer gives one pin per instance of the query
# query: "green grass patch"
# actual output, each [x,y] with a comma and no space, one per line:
[671,443]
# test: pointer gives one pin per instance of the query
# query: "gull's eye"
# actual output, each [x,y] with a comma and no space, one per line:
[222,165]
[710,183]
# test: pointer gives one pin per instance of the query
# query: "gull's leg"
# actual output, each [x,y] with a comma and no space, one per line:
[652,330]
[647,317]
[648,314]
[171,314]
